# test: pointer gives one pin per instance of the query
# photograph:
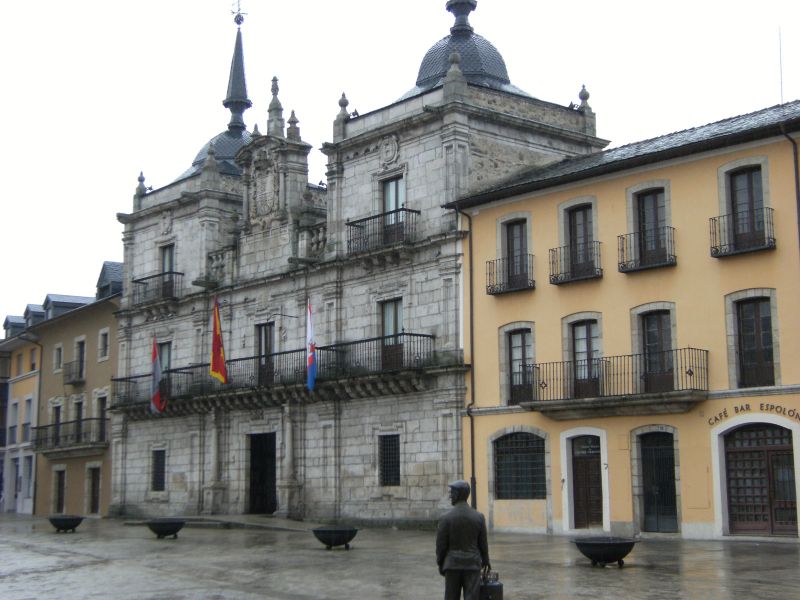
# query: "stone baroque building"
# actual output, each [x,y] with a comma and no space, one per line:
[378,259]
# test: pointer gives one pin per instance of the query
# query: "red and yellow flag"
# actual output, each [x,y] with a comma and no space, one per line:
[218,369]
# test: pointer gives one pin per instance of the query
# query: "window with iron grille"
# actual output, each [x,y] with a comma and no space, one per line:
[389,459]
[519,467]
[159,474]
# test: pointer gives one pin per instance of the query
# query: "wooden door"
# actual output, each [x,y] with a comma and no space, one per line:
[263,484]
[587,484]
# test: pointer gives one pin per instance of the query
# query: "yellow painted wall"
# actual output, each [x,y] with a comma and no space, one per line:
[697,286]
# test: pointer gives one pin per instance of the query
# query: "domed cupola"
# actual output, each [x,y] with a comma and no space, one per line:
[228,143]
[481,63]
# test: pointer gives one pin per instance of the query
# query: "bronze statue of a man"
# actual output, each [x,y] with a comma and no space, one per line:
[462,549]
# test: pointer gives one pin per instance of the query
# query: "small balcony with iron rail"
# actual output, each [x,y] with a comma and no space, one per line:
[576,262]
[74,372]
[511,274]
[82,437]
[377,363]
[671,381]
[384,231]
[163,287]
[741,232]
[647,249]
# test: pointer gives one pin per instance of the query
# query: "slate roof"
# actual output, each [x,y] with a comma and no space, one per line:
[761,124]
[111,271]
[60,298]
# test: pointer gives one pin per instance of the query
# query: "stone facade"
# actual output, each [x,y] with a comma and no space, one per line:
[384,276]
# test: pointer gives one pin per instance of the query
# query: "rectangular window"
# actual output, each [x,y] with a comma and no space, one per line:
[391,330]
[520,360]
[516,250]
[77,409]
[394,198]
[165,355]
[33,359]
[102,345]
[28,477]
[756,366]
[101,415]
[80,357]
[158,479]
[168,281]
[657,351]
[12,423]
[56,426]
[651,226]
[389,459]
[58,358]
[586,358]
[265,333]
[747,208]
[27,418]
[582,253]
[394,194]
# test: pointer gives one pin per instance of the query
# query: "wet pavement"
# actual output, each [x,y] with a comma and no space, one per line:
[260,557]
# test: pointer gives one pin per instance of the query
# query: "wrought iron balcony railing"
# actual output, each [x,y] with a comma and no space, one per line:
[157,288]
[373,356]
[575,263]
[381,231]
[73,372]
[510,274]
[71,434]
[646,249]
[683,369]
[746,231]
[522,385]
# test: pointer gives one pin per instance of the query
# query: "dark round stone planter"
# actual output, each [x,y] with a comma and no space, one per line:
[335,536]
[605,550]
[166,526]
[65,522]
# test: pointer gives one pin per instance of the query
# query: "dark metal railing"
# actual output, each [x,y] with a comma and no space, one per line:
[381,231]
[155,288]
[575,262]
[646,249]
[73,372]
[745,231]
[510,274]
[350,359]
[69,434]
[522,385]
[683,369]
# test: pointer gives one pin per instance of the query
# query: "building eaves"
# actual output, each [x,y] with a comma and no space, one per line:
[769,122]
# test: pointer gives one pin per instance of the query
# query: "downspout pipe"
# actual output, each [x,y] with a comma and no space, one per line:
[796,177]
[471,403]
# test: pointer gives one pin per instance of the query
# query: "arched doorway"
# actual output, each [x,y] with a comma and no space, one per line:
[659,505]
[760,478]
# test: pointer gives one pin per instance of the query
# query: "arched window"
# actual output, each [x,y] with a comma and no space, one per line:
[519,467]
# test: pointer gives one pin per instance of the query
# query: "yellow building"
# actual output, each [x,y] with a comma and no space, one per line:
[633,338]
[20,355]
[71,440]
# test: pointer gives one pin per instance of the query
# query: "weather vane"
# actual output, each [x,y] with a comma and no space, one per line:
[239,18]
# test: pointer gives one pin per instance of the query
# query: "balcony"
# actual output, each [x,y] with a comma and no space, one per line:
[746,231]
[635,384]
[575,263]
[394,360]
[162,287]
[72,438]
[510,274]
[646,249]
[73,372]
[387,230]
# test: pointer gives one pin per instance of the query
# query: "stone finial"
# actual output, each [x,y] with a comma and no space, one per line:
[210,163]
[584,96]
[256,132]
[293,132]
[455,84]
[343,103]
[141,190]
[275,122]
[461,10]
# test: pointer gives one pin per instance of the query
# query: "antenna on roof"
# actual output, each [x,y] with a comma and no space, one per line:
[780,60]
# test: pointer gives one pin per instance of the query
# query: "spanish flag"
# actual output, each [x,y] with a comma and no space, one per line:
[218,370]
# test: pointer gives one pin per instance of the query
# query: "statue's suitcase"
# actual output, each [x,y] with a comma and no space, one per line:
[491,588]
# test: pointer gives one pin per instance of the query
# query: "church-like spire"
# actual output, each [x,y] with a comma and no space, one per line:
[237,101]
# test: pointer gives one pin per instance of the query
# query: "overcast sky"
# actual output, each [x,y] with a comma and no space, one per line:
[96,91]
